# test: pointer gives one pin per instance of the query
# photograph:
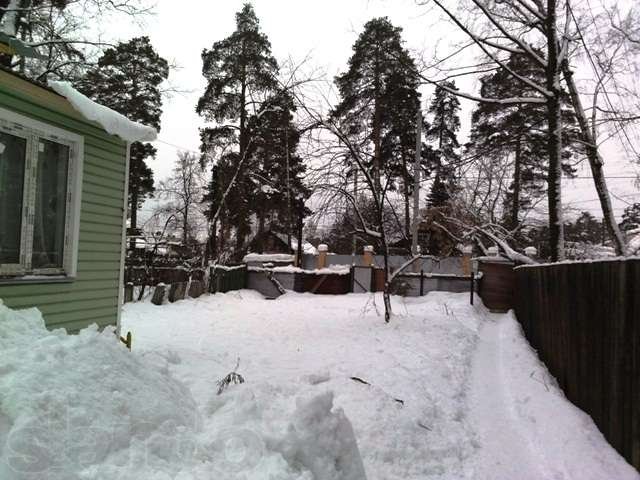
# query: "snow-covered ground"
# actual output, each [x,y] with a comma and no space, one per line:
[446,391]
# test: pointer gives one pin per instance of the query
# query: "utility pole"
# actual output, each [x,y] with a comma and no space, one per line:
[416,187]
[355,199]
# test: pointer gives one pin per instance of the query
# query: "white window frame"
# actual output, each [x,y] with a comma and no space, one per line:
[33,130]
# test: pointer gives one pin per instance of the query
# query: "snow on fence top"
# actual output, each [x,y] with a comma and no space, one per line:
[113,122]
[268,257]
[572,262]
[331,269]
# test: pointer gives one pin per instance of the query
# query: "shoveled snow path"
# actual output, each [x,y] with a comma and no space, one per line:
[524,426]
[505,452]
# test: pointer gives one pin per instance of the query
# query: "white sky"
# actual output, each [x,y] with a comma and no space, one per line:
[327,29]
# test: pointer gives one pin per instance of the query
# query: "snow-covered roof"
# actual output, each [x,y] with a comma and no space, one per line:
[306,246]
[113,122]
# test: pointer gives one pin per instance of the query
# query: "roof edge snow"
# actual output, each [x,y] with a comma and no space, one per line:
[112,121]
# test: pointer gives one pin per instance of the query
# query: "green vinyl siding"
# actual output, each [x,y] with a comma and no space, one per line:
[92,297]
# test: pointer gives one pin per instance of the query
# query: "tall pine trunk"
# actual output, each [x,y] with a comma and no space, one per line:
[407,212]
[133,219]
[554,140]
[595,162]
[515,207]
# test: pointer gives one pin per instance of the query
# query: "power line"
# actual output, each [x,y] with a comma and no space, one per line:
[178,147]
[597,199]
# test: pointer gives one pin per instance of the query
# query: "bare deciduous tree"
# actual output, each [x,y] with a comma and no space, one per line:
[184,189]
[525,27]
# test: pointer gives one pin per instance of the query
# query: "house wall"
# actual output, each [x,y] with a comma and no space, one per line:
[93,296]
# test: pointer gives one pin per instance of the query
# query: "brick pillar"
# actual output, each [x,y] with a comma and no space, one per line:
[367,257]
[467,250]
[322,256]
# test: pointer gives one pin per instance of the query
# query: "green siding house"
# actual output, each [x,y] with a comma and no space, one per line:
[63,199]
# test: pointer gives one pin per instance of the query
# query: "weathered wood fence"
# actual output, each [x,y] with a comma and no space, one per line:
[226,279]
[584,321]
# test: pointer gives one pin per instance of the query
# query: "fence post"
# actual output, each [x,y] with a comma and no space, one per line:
[352,277]
[421,282]
[128,292]
[473,284]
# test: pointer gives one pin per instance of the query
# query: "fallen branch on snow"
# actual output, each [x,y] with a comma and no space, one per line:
[231,378]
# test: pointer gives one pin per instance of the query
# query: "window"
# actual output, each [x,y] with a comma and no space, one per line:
[40,186]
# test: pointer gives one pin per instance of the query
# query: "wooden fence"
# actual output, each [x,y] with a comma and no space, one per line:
[584,321]
[226,279]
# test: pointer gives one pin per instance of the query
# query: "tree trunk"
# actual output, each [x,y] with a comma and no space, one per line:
[261,230]
[211,249]
[299,252]
[185,225]
[595,162]
[133,219]
[515,207]
[407,212]
[554,140]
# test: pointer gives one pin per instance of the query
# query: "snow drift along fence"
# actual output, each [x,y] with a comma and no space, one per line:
[584,321]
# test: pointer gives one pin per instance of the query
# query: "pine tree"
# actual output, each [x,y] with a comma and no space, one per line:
[379,104]
[127,79]
[279,169]
[442,131]
[586,228]
[239,70]
[519,131]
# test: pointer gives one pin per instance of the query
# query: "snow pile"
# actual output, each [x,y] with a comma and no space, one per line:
[113,122]
[83,407]
[71,402]
[267,431]
[323,441]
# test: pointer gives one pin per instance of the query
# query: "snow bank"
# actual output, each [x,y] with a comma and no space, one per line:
[113,122]
[82,407]
[323,441]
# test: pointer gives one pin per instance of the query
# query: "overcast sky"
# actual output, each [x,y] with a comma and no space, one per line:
[326,29]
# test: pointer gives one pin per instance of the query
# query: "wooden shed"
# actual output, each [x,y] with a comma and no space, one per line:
[63,202]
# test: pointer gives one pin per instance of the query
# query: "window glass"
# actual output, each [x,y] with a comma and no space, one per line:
[12,166]
[50,205]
